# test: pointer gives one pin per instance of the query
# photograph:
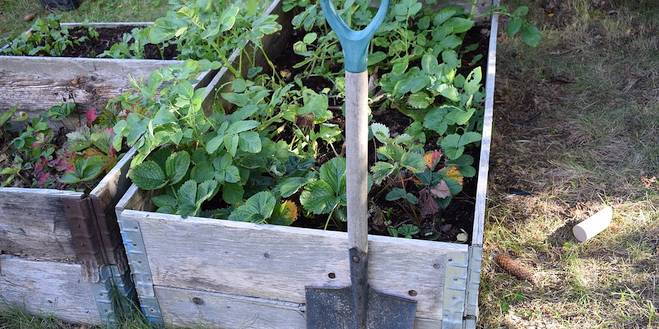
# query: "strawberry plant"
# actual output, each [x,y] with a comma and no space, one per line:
[34,154]
[46,37]
[270,151]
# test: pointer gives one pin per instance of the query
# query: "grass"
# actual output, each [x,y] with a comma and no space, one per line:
[576,124]
[13,11]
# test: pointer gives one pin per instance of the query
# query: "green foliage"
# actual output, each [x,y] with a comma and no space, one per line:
[275,139]
[39,156]
[45,37]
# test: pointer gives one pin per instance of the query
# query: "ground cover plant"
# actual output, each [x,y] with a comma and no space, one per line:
[272,150]
[62,148]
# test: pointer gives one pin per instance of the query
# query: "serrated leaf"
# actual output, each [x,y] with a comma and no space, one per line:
[381,170]
[419,100]
[413,161]
[441,190]
[176,166]
[285,213]
[290,185]
[257,209]
[531,35]
[333,173]
[380,132]
[249,142]
[232,193]
[148,176]
[318,197]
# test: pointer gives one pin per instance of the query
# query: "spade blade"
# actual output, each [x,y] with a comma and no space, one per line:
[332,308]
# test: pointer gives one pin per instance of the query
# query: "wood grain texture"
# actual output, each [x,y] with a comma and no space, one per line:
[357,158]
[190,308]
[34,83]
[32,223]
[486,141]
[43,287]
[277,262]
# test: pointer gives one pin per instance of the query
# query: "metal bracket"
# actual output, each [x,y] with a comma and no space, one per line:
[473,282]
[455,283]
[139,265]
[112,280]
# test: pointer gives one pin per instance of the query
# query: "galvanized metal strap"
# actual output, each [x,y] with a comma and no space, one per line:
[139,265]
[455,283]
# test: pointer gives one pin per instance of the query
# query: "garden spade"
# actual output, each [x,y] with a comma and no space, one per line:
[357,306]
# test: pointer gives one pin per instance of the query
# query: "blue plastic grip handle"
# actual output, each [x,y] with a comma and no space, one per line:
[354,43]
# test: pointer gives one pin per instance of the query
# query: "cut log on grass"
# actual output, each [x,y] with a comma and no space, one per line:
[593,225]
[514,267]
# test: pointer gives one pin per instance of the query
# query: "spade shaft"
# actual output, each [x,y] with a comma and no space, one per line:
[357,306]
[357,189]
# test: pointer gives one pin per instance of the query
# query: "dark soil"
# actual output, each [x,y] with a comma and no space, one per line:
[107,37]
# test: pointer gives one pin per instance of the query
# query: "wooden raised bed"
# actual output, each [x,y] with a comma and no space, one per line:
[216,273]
[62,250]
[32,82]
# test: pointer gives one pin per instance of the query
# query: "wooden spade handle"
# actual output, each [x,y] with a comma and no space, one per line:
[357,158]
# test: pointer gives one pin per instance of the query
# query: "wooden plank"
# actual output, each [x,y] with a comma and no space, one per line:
[32,223]
[190,308]
[33,83]
[43,287]
[277,262]
[486,141]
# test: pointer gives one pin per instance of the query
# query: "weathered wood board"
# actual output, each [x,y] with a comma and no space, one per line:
[48,288]
[275,262]
[34,83]
[32,222]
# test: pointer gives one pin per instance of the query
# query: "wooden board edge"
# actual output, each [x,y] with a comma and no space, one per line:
[140,216]
[484,161]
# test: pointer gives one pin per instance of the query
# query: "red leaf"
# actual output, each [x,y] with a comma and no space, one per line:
[431,158]
[91,116]
[428,204]
[441,190]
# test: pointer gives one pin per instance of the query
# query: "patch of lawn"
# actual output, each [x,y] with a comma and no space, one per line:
[577,125]
[12,12]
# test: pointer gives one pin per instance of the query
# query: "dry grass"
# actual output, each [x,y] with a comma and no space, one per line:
[577,125]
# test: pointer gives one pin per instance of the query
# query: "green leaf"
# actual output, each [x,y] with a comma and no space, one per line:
[250,142]
[148,176]
[381,170]
[69,178]
[89,168]
[319,198]
[469,137]
[290,185]
[459,24]
[176,166]
[187,197]
[205,191]
[399,193]
[164,200]
[376,57]
[435,120]
[419,100]
[380,132]
[443,15]
[450,42]
[531,35]
[214,143]
[232,193]
[257,209]
[450,58]
[240,126]
[521,11]
[514,25]
[333,173]
[231,143]
[310,37]
[473,80]
[413,161]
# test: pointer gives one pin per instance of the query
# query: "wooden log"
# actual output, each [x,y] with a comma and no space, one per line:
[277,262]
[47,288]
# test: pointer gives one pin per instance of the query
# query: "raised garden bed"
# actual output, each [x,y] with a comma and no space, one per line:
[76,75]
[193,270]
[61,249]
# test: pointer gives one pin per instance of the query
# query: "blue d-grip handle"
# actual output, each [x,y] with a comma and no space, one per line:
[354,43]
